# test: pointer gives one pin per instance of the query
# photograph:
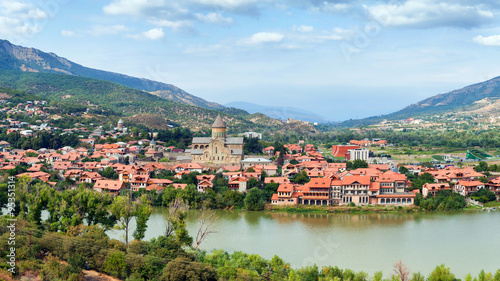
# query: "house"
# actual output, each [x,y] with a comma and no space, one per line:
[160,182]
[317,192]
[341,150]
[249,162]
[238,184]
[494,185]
[204,185]
[36,175]
[280,180]
[61,166]
[191,167]
[434,188]
[268,150]
[112,186]
[179,185]
[466,187]
[286,195]
[139,181]
[154,187]
[90,177]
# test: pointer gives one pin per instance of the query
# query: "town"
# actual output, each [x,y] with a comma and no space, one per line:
[296,174]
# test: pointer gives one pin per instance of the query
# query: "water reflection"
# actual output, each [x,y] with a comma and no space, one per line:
[369,242]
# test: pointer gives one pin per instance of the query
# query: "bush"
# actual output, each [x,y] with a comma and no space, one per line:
[183,268]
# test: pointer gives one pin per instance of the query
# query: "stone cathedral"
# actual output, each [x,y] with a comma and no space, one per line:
[217,149]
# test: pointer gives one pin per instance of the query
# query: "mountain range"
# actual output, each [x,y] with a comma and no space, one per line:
[482,98]
[50,76]
[34,60]
[139,101]
[281,113]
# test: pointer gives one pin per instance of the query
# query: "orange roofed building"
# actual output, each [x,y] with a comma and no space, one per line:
[341,150]
[112,186]
[387,189]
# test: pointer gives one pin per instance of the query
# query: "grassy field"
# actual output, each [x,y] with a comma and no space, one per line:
[492,204]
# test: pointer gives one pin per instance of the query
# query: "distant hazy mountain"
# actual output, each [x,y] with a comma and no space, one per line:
[483,98]
[463,99]
[278,112]
[13,57]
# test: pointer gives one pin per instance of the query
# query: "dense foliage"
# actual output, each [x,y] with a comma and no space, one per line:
[444,200]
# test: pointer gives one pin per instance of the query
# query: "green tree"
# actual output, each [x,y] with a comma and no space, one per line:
[441,273]
[356,164]
[142,213]
[115,264]
[109,173]
[183,268]
[124,210]
[254,200]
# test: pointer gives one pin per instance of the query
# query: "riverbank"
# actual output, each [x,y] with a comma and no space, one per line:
[356,209]
[342,209]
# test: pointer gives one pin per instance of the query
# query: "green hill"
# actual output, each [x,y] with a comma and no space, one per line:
[13,57]
[131,102]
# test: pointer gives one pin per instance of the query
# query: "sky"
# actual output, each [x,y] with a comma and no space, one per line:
[339,59]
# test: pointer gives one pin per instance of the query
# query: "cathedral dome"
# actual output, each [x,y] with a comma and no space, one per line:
[219,123]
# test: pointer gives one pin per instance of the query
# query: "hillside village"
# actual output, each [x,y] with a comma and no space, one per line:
[301,176]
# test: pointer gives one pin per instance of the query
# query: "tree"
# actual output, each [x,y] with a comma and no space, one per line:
[401,271]
[356,164]
[183,268]
[115,264]
[441,273]
[300,178]
[252,146]
[109,173]
[206,225]
[123,209]
[142,213]
[176,225]
[254,200]
[252,182]
[481,167]
[403,170]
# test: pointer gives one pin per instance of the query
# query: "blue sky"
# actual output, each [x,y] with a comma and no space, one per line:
[339,59]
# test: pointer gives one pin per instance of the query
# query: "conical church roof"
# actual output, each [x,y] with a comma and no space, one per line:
[219,123]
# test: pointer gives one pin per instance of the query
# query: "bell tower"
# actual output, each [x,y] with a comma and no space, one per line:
[219,128]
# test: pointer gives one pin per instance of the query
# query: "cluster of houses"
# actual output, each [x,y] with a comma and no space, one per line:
[328,183]
[367,142]
[332,184]
[461,180]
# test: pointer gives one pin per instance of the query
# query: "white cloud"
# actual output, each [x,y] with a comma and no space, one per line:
[264,37]
[493,40]
[174,25]
[430,13]
[132,7]
[236,6]
[201,50]
[337,34]
[216,18]
[14,6]
[100,30]
[154,34]
[68,33]
[19,21]
[333,7]
[303,28]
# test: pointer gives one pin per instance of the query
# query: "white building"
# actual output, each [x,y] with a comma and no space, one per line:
[358,153]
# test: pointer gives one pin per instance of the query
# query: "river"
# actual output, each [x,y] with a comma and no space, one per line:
[465,241]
